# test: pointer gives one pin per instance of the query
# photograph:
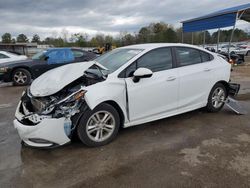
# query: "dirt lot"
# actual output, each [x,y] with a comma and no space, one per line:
[196,149]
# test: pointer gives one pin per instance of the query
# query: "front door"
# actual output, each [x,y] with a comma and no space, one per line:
[157,96]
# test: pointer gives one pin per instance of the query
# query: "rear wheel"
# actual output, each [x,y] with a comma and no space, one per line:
[99,126]
[217,97]
[21,77]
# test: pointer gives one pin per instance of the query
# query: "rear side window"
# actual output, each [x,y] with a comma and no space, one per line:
[2,56]
[77,53]
[188,56]
[206,56]
[156,60]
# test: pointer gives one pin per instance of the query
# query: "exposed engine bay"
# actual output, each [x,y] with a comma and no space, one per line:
[65,103]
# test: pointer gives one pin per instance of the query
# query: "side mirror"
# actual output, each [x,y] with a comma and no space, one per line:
[46,58]
[142,73]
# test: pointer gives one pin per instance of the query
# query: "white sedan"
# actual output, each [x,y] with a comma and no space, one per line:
[128,86]
[7,57]
[243,50]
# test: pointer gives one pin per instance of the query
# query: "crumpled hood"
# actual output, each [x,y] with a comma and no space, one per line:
[56,79]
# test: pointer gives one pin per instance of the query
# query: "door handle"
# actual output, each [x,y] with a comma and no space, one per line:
[207,69]
[171,78]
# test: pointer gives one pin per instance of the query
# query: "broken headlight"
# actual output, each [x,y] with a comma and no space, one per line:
[73,97]
[70,105]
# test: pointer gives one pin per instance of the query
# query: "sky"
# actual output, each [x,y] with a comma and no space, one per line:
[50,18]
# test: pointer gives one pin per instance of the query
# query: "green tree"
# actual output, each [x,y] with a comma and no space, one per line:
[99,40]
[144,35]
[57,42]
[108,39]
[159,27]
[6,38]
[80,39]
[36,38]
[128,39]
[170,35]
[22,38]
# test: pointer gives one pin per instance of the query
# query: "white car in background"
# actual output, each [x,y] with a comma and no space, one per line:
[243,50]
[128,86]
[8,56]
[225,48]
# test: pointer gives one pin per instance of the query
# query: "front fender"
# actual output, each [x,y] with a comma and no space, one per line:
[107,91]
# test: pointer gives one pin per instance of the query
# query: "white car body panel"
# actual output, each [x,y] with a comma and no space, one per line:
[243,51]
[164,94]
[11,57]
[195,94]
[153,96]
[101,92]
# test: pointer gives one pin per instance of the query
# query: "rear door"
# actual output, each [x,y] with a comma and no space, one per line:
[155,96]
[195,71]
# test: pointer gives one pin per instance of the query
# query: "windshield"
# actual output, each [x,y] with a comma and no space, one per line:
[38,55]
[116,58]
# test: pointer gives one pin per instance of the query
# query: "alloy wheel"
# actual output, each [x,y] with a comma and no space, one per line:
[100,126]
[218,97]
[20,77]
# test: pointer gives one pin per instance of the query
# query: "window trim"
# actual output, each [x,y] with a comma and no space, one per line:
[122,74]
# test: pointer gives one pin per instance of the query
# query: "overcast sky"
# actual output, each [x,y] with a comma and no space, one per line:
[50,17]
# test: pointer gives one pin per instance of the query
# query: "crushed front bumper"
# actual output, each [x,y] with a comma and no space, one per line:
[48,132]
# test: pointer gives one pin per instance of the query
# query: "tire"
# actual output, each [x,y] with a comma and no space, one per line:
[89,125]
[216,100]
[21,77]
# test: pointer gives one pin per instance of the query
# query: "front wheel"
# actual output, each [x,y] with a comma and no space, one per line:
[99,126]
[217,97]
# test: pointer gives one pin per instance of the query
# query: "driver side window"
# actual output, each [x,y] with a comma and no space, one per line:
[156,60]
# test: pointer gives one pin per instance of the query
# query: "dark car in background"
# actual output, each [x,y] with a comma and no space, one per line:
[22,72]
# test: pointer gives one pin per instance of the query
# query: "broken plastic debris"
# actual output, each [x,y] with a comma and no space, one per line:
[235,106]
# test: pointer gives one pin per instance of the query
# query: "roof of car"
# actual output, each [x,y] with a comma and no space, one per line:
[63,48]
[149,46]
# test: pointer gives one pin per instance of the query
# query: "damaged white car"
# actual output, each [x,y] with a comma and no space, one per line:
[125,87]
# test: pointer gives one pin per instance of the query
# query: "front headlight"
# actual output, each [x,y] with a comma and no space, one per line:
[66,103]
[73,97]
[3,69]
